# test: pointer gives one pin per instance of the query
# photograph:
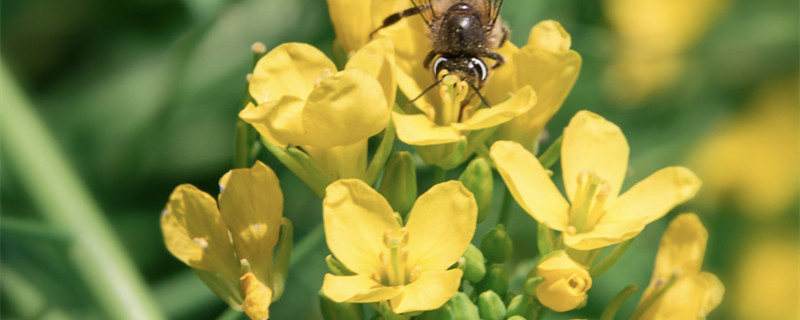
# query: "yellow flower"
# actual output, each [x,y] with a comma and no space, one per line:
[354,20]
[678,290]
[303,101]
[654,35]
[406,265]
[752,159]
[556,69]
[565,283]
[199,233]
[594,159]
[438,117]
[766,276]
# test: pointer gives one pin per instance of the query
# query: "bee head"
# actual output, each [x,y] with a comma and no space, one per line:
[470,69]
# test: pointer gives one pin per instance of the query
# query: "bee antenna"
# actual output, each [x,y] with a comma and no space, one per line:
[426,90]
[479,94]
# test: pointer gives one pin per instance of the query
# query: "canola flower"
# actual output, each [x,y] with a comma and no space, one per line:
[565,282]
[231,246]
[404,264]
[329,114]
[594,159]
[678,289]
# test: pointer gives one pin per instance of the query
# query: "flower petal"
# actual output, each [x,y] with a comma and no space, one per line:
[377,58]
[431,291]
[251,202]
[357,288]
[278,121]
[440,226]
[289,69]
[530,184]
[687,298]
[645,202]
[595,144]
[419,130]
[345,108]
[356,217]
[519,103]
[550,36]
[195,233]
[503,80]
[352,22]
[412,46]
[682,247]
[257,297]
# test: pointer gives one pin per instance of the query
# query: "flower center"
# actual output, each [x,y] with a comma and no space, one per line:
[394,260]
[588,202]
[453,92]
[577,283]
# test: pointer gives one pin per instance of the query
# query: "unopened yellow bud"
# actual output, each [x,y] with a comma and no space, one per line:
[565,283]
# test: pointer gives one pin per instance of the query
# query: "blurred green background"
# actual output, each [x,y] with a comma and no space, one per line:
[140,96]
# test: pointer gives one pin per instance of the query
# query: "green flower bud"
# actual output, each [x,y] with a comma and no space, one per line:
[517,318]
[477,177]
[399,184]
[463,308]
[491,307]
[339,311]
[475,267]
[447,155]
[522,306]
[496,245]
[282,257]
[496,279]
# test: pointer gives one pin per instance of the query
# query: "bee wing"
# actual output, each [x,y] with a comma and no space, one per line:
[425,10]
[494,10]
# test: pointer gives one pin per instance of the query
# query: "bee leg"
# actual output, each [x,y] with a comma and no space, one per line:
[427,62]
[499,60]
[394,18]
[506,34]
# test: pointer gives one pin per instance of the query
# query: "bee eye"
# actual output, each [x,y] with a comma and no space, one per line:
[437,65]
[480,68]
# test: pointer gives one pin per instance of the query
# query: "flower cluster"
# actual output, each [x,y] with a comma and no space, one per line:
[410,255]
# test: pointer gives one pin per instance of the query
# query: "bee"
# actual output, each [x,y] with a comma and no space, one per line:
[462,32]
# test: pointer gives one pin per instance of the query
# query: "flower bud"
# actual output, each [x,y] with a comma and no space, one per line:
[463,308]
[491,307]
[521,306]
[517,318]
[399,184]
[477,177]
[475,267]
[339,311]
[496,279]
[496,245]
[446,156]
[565,283]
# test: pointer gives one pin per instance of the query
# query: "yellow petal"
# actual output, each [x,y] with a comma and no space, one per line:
[411,46]
[290,69]
[377,58]
[257,297]
[687,298]
[279,121]
[557,69]
[645,202]
[419,130]
[357,288]
[550,36]
[352,22]
[440,226]
[195,233]
[503,80]
[521,102]
[682,247]
[251,202]
[595,144]
[356,217]
[530,184]
[345,108]
[429,292]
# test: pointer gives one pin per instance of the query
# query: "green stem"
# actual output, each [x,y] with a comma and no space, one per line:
[381,155]
[551,155]
[612,258]
[241,147]
[230,314]
[438,175]
[28,228]
[611,309]
[505,209]
[59,194]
